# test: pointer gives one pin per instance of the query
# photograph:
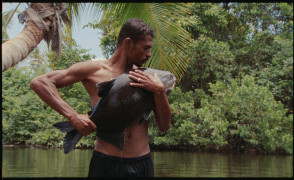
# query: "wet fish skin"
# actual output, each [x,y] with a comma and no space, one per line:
[120,106]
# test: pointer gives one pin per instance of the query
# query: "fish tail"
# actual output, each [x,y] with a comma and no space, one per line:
[71,138]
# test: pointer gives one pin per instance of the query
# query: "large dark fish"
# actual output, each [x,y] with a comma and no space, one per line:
[120,105]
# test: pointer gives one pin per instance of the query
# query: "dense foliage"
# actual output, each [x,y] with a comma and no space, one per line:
[28,120]
[236,94]
[239,115]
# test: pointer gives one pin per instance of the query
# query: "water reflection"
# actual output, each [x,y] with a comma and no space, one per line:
[188,164]
[30,162]
[33,162]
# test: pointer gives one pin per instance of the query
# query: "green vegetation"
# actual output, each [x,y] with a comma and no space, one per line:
[28,120]
[236,94]
[239,115]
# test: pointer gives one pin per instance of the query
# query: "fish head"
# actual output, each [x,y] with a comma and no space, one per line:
[169,81]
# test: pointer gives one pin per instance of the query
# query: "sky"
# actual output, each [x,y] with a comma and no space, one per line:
[87,38]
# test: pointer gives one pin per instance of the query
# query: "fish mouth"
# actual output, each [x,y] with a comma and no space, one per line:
[171,85]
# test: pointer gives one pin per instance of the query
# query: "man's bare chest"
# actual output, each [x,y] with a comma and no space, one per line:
[91,81]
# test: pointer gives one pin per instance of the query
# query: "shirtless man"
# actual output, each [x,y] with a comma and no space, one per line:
[133,50]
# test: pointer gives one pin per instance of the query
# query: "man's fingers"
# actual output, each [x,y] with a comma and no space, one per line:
[137,78]
[136,85]
[136,74]
[143,74]
[89,126]
[84,133]
[93,126]
[139,71]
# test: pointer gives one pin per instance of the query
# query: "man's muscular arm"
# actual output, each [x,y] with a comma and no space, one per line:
[46,87]
[162,110]
[153,84]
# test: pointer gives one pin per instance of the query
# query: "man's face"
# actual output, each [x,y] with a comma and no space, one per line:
[141,51]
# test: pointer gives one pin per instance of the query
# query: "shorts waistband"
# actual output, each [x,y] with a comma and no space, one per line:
[123,159]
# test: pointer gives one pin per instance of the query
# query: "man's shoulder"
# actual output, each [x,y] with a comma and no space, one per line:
[90,63]
[86,67]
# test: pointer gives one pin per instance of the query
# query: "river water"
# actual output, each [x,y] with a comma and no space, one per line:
[34,162]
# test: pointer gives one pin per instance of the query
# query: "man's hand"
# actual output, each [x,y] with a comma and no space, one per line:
[83,124]
[146,81]
[154,84]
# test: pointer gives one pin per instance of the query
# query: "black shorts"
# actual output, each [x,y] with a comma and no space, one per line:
[103,165]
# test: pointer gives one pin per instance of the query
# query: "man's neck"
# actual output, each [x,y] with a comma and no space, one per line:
[119,61]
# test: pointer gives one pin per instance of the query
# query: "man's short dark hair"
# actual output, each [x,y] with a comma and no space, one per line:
[136,29]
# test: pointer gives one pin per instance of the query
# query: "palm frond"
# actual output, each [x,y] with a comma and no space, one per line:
[171,42]
[10,15]
[7,23]
[75,10]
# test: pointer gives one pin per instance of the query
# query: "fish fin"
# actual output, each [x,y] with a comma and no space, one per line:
[71,138]
[90,113]
[104,87]
[146,116]
[64,126]
[116,139]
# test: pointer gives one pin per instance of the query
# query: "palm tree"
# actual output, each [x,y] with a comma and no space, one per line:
[5,25]
[42,23]
[170,44]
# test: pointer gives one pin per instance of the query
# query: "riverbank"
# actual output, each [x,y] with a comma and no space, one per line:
[208,149]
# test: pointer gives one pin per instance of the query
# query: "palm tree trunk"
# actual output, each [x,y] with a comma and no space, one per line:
[18,48]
